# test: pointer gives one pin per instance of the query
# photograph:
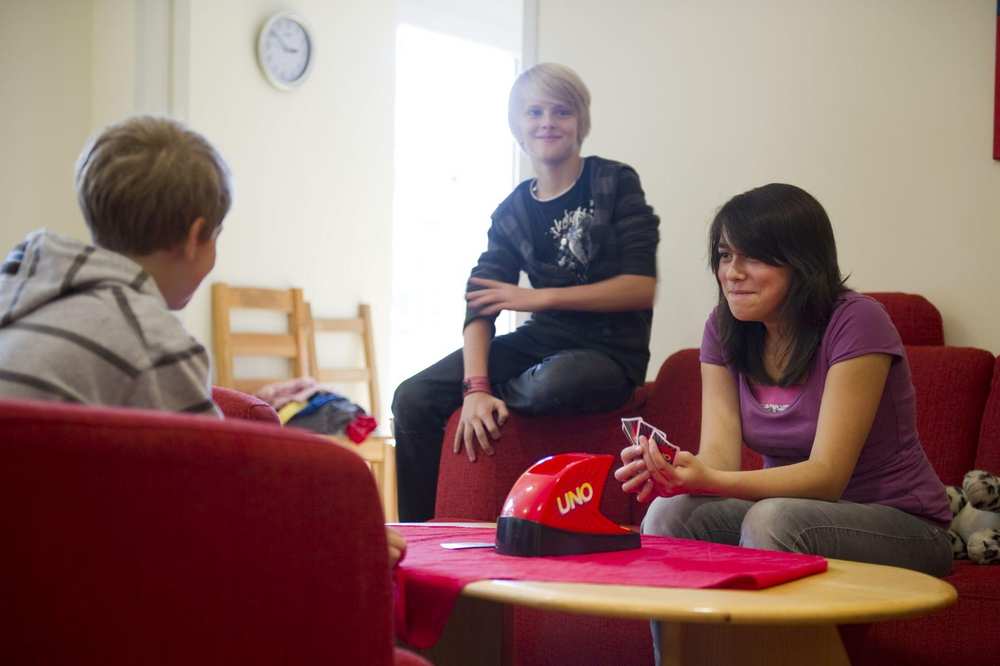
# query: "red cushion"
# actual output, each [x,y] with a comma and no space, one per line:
[674,404]
[988,454]
[406,658]
[545,638]
[477,490]
[152,538]
[962,634]
[952,384]
[916,318]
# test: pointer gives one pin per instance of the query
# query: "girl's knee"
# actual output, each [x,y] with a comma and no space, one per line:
[667,516]
[773,524]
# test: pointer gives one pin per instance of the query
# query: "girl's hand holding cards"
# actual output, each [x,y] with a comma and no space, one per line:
[653,467]
[636,427]
[649,453]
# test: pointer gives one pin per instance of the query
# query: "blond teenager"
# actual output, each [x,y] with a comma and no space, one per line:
[582,232]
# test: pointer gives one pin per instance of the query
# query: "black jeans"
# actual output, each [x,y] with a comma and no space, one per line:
[528,372]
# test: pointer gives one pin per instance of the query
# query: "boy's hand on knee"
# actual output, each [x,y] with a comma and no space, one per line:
[482,416]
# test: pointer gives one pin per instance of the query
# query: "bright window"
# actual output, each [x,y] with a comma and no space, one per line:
[454,162]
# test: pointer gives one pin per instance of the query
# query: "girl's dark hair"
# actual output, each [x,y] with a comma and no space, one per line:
[781,225]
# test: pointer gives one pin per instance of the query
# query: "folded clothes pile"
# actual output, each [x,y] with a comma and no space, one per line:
[305,403]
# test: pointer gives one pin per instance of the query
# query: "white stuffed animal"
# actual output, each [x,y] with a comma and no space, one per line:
[975,530]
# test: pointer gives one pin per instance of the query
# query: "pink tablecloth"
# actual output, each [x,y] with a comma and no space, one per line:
[430,577]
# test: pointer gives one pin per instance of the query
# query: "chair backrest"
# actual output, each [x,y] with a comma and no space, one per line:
[138,537]
[988,452]
[916,318]
[292,345]
[366,373]
[952,385]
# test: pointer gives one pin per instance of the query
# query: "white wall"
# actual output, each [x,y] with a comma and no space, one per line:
[45,97]
[312,167]
[882,110]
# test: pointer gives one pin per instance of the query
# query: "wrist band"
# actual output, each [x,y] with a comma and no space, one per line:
[476,385]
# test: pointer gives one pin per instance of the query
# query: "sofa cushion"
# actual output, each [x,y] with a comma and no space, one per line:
[916,318]
[952,384]
[674,403]
[962,634]
[546,638]
[477,490]
[988,453]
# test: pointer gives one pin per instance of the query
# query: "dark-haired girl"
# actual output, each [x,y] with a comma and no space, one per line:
[812,376]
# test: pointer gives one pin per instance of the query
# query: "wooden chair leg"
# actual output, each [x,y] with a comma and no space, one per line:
[389,484]
[378,471]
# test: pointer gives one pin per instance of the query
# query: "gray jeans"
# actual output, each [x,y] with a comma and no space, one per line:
[871,533]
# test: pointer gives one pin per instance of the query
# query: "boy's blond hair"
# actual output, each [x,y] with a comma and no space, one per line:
[557,82]
[142,182]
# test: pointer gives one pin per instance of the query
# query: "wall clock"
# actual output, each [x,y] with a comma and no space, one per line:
[285,50]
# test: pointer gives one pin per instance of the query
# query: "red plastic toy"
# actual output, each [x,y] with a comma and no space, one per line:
[555,509]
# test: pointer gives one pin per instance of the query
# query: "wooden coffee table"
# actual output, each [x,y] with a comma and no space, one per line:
[784,625]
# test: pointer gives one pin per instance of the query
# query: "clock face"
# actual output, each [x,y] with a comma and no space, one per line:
[285,51]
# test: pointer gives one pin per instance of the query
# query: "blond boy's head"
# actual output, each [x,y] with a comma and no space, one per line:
[555,82]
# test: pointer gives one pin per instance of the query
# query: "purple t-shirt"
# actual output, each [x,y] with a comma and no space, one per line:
[892,468]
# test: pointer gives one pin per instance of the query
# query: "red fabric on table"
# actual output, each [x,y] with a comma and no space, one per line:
[430,577]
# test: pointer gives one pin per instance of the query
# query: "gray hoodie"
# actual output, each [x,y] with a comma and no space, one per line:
[82,324]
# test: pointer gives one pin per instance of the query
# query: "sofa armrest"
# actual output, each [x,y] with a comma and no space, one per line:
[144,537]
[476,491]
[237,405]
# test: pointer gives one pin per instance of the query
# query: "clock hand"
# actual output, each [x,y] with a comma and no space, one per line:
[284,47]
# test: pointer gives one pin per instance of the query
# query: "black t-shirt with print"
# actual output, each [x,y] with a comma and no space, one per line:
[620,238]
[561,226]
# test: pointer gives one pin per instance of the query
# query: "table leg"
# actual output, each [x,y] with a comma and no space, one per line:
[748,645]
[478,632]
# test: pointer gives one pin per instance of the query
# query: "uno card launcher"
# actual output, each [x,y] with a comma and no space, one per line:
[555,509]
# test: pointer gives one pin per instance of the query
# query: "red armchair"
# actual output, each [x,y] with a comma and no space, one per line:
[139,537]
[959,421]
[477,491]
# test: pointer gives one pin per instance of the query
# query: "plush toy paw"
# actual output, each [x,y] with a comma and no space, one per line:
[956,499]
[982,490]
[984,546]
[975,528]
[958,550]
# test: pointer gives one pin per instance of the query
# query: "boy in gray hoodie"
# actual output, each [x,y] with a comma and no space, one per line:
[92,324]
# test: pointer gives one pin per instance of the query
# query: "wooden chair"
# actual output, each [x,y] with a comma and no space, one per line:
[297,346]
[291,344]
[377,450]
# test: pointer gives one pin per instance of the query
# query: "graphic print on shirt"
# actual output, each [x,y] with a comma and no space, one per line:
[571,234]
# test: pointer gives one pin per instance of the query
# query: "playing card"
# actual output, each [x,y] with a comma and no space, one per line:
[644,430]
[461,545]
[630,428]
[668,450]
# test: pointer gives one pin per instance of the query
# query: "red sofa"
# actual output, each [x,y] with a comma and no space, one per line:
[958,402]
[139,537]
